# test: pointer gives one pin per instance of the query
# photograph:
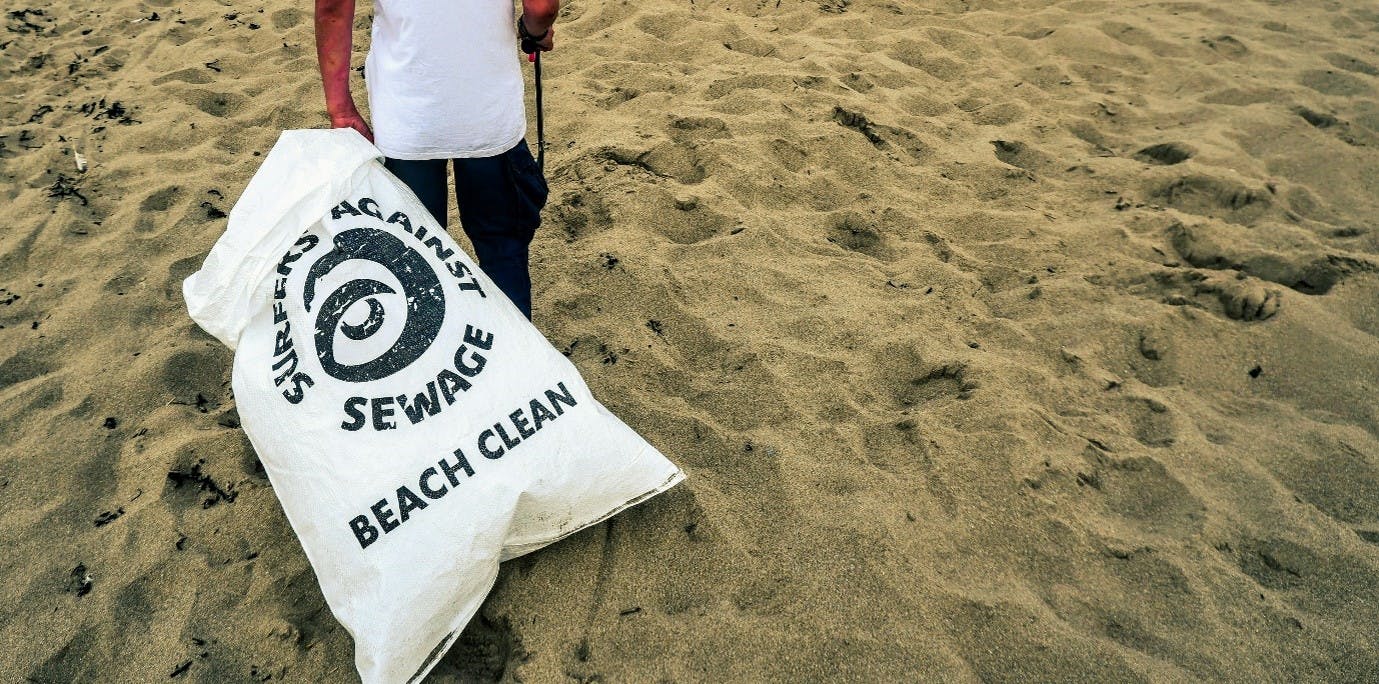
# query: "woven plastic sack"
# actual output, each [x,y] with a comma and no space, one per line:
[415,426]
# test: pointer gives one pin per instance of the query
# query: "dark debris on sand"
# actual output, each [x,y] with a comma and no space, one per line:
[194,476]
[113,111]
[23,20]
[80,581]
[66,186]
[108,517]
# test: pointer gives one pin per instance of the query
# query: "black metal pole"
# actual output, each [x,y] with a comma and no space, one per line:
[540,120]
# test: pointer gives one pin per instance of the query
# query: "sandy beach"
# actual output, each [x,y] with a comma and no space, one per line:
[1000,340]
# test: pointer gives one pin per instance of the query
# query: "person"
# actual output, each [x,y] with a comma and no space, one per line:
[446,89]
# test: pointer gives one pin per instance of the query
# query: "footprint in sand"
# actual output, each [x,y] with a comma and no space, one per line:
[857,82]
[790,155]
[1226,45]
[1317,119]
[1152,423]
[1241,298]
[698,128]
[951,380]
[1351,135]
[1020,155]
[1141,490]
[484,651]
[194,75]
[581,214]
[922,56]
[1003,637]
[1276,563]
[286,18]
[25,365]
[160,200]
[1038,33]
[1350,494]
[1249,301]
[998,113]
[617,96]
[1165,154]
[1349,63]
[1309,572]
[897,447]
[684,220]
[727,86]
[914,381]
[1309,273]
[72,662]
[195,377]
[881,136]
[853,231]
[214,103]
[178,272]
[1330,82]
[685,162]
[1217,197]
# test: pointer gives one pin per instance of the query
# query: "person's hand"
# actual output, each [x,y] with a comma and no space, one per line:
[351,118]
[530,43]
[548,43]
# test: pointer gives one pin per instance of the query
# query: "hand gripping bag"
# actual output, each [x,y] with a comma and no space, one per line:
[415,426]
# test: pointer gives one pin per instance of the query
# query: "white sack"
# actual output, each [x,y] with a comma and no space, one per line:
[416,427]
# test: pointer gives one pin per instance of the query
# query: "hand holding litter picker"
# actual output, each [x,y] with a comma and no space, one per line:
[534,46]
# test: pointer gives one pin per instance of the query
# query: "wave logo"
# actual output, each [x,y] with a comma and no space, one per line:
[353,322]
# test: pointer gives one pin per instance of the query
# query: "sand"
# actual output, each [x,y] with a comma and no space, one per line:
[1000,341]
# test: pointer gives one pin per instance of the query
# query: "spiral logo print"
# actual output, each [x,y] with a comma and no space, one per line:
[421,291]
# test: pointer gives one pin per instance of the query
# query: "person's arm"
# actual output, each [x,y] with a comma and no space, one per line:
[538,16]
[334,43]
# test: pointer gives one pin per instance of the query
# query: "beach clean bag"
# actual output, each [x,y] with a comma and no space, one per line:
[415,426]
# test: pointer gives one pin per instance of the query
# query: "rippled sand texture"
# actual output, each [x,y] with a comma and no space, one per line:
[999,340]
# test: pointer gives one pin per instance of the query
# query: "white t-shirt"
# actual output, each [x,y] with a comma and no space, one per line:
[444,78]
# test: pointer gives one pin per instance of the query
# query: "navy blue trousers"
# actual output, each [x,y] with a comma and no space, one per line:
[500,200]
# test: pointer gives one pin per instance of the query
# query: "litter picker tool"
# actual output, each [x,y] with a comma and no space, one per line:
[535,58]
